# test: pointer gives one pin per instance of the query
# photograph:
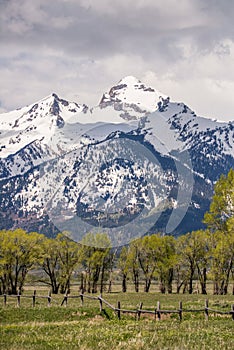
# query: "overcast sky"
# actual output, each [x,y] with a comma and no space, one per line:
[80,48]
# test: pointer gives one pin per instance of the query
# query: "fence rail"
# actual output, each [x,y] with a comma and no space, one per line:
[157,312]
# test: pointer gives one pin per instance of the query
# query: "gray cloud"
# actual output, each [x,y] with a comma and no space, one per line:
[80,48]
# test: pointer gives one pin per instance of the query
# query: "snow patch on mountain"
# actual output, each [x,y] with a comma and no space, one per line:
[132,98]
[38,121]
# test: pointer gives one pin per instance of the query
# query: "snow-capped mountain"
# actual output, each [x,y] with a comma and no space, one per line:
[35,122]
[136,157]
[132,98]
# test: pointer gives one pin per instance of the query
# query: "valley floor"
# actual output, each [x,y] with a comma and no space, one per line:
[85,327]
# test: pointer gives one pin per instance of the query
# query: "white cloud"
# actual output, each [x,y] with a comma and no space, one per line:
[79,49]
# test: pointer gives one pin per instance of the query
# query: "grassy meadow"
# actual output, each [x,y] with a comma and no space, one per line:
[85,327]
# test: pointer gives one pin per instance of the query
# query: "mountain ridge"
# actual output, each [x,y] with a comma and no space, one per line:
[72,135]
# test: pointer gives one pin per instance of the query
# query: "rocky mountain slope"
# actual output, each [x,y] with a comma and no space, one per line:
[135,163]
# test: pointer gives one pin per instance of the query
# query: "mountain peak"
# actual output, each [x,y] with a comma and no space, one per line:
[130,93]
[54,95]
[129,80]
[49,98]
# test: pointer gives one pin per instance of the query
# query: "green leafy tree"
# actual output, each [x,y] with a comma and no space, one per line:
[180,272]
[220,221]
[61,256]
[69,259]
[51,264]
[230,226]
[222,252]
[95,252]
[167,259]
[222,205]
[110,262]
[124,264]
[155,256]
[203,257]
[19,252]
[150,254]
[193,254]
[134,266]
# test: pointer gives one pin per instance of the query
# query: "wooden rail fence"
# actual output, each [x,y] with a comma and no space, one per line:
[157,312]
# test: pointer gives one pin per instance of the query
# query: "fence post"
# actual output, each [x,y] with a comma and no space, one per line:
[64,300]
[139,311]
[18,299]
[49,299]
[158,311]
[100,300]
[118,311]
[233,312]
[82,298]
[34,298]
[180,310]
[5,299]
[206,310]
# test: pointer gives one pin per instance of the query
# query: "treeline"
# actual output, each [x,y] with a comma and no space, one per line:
[200,256]
[197,256]
[58,258]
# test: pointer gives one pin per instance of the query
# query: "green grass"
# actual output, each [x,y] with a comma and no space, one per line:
[83,328]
